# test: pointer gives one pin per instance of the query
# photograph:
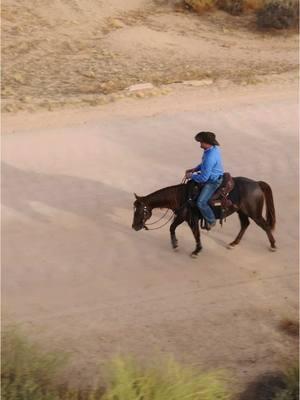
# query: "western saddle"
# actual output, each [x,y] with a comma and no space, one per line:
[220,197]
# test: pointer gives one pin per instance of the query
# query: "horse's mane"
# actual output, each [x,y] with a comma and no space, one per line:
[168,197]
[162,191]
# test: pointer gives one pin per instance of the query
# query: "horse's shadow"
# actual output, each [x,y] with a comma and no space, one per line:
[22,189]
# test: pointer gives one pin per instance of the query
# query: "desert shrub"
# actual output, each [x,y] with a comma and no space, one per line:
[28,373]
[169,382]
[253,5]
[278,14]
[280,385]
[291,381]
[233,7]
[200,6]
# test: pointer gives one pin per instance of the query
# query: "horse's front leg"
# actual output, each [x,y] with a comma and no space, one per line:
[177,221]
[194,225]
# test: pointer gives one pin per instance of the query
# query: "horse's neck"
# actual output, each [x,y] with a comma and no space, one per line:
[170,197]
[157,203]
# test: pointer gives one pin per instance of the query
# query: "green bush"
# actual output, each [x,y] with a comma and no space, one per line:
[278,14]
[29,374]
[26,373]
[169,382]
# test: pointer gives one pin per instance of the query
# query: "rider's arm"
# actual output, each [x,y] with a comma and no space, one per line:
[206,168]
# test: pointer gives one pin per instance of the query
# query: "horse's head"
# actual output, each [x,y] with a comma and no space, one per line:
[141,213]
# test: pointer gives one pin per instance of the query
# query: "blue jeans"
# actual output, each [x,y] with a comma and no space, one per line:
[202,202]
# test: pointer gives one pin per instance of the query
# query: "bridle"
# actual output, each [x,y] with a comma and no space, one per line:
[147,212]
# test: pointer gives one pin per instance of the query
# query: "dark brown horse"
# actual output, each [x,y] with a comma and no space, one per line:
[248,197]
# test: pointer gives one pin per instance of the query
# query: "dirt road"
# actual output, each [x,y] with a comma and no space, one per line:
[78,278]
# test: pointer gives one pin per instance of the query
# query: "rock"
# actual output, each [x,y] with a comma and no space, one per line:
[9,108]
[116,23]
[26,99]
[166,90]
[88,74]
[202,82]
[140,95]
[7,91]
[18,78]
[140,86]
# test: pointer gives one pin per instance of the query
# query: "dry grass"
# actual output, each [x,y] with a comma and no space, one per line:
[201,6]
[278,14]
[28,373]
[253,5]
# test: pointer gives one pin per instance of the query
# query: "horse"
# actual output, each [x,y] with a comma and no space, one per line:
[248,198]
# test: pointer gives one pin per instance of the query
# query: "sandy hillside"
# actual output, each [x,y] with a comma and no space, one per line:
[74,52]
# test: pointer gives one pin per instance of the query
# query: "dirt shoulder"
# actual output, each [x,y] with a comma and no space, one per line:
[62,55]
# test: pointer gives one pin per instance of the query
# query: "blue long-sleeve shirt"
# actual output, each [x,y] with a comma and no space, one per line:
[211,167]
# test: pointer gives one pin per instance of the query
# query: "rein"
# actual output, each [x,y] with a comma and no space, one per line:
[172,215]
[158,227]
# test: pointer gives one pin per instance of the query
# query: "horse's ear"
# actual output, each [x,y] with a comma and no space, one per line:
[136,196]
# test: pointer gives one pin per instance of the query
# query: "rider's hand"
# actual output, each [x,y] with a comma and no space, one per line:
[188,173]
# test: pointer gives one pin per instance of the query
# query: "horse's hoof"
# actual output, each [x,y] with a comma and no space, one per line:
[193,255]
[230,246]
[175,249]
[273,249]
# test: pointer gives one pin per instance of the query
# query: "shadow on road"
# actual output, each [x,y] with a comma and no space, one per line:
[83,197]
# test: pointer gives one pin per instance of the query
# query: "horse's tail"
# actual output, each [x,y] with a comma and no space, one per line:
[270,209]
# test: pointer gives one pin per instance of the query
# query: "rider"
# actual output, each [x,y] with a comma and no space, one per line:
[209,173]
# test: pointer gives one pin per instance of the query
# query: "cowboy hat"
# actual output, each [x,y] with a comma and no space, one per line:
[207,137]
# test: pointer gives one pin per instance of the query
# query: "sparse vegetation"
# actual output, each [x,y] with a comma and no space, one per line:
[233,7]
[278,14]
[291,382]
[200,6]
[274,386]
[170,382]
[30,374]
[26,372]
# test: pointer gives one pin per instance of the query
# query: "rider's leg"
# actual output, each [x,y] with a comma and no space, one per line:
[203,199]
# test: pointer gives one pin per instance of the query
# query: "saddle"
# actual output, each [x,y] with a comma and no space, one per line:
[220,197]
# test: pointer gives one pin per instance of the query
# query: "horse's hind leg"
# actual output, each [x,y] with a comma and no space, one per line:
[244,225]
[177,221]
[194,225]
[260,221]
